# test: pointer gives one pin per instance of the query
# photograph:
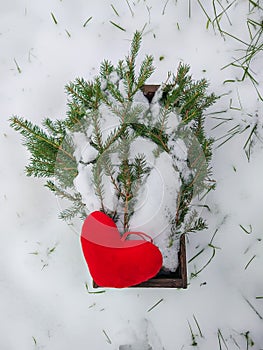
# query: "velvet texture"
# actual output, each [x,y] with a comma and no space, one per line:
[113,261]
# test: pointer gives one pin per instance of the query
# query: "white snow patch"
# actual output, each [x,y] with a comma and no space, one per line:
[155,198]
[84,152]
[84,185]
[139,97]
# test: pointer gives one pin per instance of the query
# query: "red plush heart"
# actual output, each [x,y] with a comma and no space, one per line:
[114,261]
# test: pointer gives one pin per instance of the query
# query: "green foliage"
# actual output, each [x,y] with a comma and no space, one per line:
[52,146]
[47,147]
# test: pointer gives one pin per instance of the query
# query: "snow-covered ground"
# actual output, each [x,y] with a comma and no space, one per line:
[44,299]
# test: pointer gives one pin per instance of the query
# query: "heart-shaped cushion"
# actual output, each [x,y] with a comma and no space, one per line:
[114,261]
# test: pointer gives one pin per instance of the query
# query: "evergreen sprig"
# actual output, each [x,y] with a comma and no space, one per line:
[45,147]
[52,146]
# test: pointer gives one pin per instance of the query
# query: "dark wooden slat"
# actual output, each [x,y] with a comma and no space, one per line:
[169,280]
[149,91]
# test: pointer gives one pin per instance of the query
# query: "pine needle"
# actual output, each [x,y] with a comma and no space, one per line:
[107,337]
[132,13]
[253,257]
[164,8]
[68,33]
[234,341]
[246,230]
[34,340]
[117,26]
[87,21]
[189,8]
[220,336]
[198,326]
[51,250]
[17,67]
[114,9]
[203,9]
[255,4]
[156,304]
[196,255]
[54,18]
[194,342]
[253,308]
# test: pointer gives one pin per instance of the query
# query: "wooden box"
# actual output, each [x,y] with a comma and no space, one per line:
[177,279]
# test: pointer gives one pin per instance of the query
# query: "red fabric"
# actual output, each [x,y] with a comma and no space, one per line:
[117,263]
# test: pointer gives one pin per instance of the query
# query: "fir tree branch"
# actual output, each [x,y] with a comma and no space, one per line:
[97,139]
[52,148]
[161,123]
[75,116]
[151,133]
[108,169]
[106,68]
[51,155]
[129,76]
[76,210]
[146,71]
[115,92]
[124,177]
[60,192]
[33,132]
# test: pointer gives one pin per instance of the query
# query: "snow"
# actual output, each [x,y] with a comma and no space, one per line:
[156,200]
[84,152]
[44,302]
[84,185]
